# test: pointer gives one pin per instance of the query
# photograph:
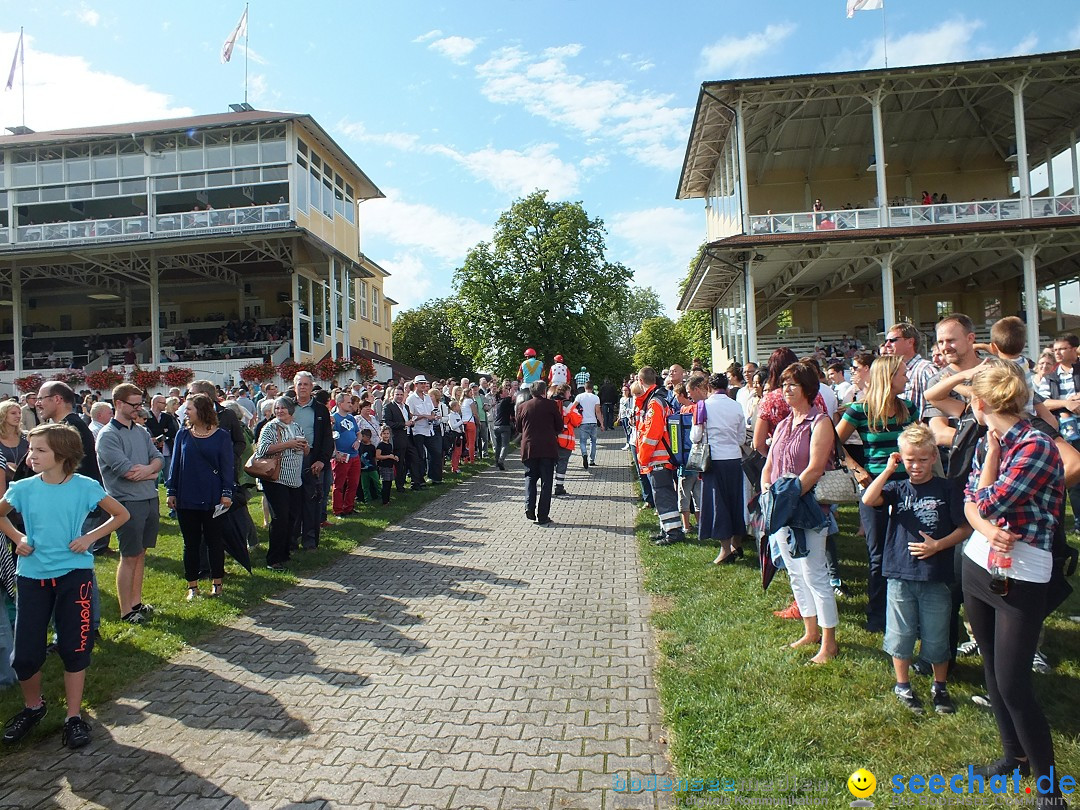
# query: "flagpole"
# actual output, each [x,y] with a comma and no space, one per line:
[884,36]
[22,70]
[247,50]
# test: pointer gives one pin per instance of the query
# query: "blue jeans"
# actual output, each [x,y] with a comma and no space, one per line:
[918,610]
[586,434]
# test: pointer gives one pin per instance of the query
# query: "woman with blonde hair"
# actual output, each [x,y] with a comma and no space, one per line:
[13,444]
[880,417]
[1014,501]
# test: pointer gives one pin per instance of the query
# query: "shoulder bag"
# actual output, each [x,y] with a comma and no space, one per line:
[266,468]
[700,456]
[838,485]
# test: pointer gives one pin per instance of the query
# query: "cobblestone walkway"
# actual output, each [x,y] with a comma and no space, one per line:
[466,658]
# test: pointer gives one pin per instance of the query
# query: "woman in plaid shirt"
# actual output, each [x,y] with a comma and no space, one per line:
[1014,501]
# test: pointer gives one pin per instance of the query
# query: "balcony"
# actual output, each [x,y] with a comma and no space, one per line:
[906,216]
[248,218]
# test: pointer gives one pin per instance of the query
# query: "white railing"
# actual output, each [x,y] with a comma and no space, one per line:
[903,216]
[252,216]
[808,221]
[85,230]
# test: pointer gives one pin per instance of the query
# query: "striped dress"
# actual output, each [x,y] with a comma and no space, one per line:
[292,461]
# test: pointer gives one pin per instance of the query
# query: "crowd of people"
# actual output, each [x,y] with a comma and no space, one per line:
[73,473]
[959,465]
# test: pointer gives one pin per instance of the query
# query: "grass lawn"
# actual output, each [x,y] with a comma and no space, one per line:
[738,705]
[126,652]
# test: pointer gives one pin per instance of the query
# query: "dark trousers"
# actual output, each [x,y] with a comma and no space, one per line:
[608,409]
[434,448]
[66,600]
[285,506]
[538,471]
[198,526]
[875,522]
[313,509]
[1007,629]
[418,460]
[403,449]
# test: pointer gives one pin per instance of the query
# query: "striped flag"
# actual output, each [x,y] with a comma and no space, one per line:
[230,43]
[863,5]
[16,60]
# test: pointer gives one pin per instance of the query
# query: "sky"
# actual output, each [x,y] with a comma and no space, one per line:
[455,110]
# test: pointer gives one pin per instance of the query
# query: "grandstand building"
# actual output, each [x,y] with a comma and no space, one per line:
[842,202]
[173,232]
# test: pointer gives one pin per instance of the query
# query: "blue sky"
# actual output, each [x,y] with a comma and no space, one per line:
[456,109]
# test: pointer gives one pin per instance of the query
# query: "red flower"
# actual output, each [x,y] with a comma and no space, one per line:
[29,383]
[177,376]
[104,380]
[145,378]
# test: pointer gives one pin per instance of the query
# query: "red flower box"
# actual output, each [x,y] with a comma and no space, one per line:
[104,380]
[29,383]
[145,378]
[177,376]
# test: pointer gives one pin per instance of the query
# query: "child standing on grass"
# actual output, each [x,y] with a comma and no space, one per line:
[54,573]
[925,520]
[386,459]
[369,471]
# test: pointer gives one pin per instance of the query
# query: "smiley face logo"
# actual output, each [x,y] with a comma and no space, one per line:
[862,784]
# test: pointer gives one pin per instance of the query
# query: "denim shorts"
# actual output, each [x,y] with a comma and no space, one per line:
[918,610]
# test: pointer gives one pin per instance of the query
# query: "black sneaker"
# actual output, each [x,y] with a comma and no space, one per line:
[923,667]
[76,733]
[943,704]
[21,724]
[671,538]
[134,617]
[560,489]
[909,699]
[146,610]
[1002,767]
[968,648]
[1039,664]
[585,462]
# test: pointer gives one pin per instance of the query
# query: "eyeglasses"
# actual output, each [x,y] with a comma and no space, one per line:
[893,339]
[138,404]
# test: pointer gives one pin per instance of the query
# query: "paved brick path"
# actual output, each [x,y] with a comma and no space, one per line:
[464,659]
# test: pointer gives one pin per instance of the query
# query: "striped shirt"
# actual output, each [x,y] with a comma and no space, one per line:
[879,445]
[292,461]
[919,372]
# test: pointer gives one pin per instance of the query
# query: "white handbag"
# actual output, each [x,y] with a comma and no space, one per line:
[838,485]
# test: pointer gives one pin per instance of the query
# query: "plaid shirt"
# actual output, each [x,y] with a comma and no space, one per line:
[581,378]
[919,372]
[1029,494]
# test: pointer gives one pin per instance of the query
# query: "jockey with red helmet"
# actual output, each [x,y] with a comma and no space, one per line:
[531,370]
[559,373]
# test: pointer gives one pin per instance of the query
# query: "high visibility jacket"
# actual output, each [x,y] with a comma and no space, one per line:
[571,419]
[652,446]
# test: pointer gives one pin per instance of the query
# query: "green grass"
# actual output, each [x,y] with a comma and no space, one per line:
[126,653]
[738,706]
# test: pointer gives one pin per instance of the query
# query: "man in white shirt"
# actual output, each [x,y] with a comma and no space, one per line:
[101,414]
[839,381]
[592,419]
[428,446]
[559,373]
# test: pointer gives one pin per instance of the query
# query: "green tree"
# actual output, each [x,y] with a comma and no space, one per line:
[423,339]
[641,303]
[695,325]
[542,282]
[658,344]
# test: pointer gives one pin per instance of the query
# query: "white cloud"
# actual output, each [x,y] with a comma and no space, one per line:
[733,55]
[87,15]
[454,48]
[950,41]
[65,91]
[429,35]
[657,244]
[358,132]
[642,123]
[426,245]
[519,172]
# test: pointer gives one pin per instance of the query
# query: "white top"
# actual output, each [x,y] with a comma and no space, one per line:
[841,389]
[453,422]
[419,406]
[830,399]
[467,410]
[559,374]
[1029,564]
[726,427]
[588,403]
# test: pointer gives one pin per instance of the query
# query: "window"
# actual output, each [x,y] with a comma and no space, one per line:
[303,295]
[991,309]
[318,320]
[387,319]
[378,348]
[943,308]
[375,313]
[365,344]
[363,300]
[350,286]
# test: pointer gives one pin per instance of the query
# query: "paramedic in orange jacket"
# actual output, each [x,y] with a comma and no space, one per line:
[571,420]
[654,457]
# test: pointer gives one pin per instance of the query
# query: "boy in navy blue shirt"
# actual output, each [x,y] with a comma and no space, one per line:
[926,519]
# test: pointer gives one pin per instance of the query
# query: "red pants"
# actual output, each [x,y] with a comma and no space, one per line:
[470,441]
[346,480]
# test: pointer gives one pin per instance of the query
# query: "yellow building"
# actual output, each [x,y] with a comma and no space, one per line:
[170,229]
[814,198]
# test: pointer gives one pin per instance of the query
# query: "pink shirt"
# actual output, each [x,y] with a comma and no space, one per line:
[790,449]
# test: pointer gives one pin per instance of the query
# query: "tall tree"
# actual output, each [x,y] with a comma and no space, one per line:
[659,344]
[641,303]
[423,339]
[695,325]
[543,282]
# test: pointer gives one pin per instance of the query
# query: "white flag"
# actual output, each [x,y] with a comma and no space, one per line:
[15,61]
[863,5]
[239,31]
